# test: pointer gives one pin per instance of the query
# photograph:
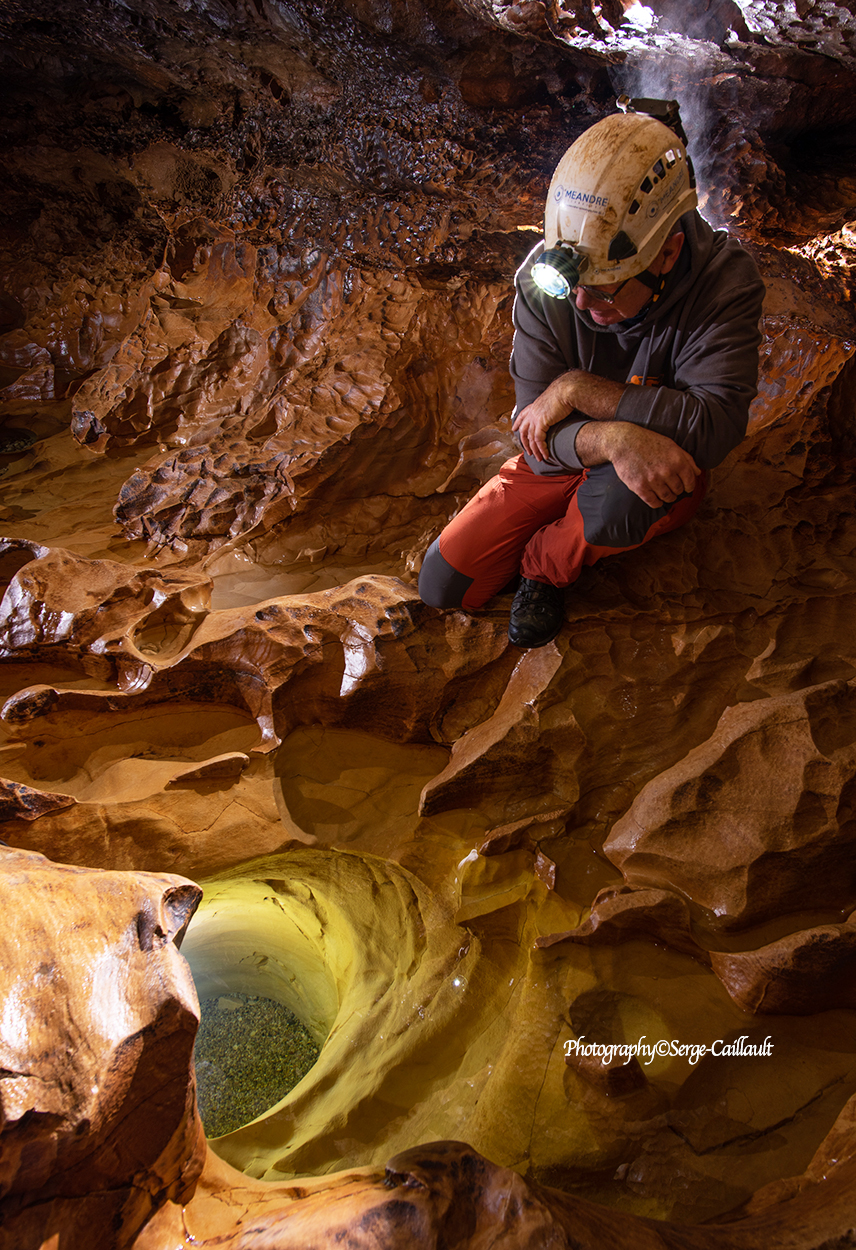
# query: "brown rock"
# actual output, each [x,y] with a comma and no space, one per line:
[224,767]
[490,756]
[78,1109]
[256,306]
[620,916]
[806,972]
[757,822]
[98,1110]
[21,802]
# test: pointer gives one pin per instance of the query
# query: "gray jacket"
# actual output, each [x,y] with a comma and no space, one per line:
[698,345]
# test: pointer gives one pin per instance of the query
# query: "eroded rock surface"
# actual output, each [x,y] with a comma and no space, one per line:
[99,1120]
[255,311]
[758,823]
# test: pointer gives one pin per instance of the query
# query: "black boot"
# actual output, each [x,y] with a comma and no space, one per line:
[537,613]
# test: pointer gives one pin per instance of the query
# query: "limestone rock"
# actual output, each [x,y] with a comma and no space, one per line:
[224,767]
[526,731]
[620,916]
[803,973]
[98,1113]
[106,1090]
[255,314]
[756,823]
[22,802]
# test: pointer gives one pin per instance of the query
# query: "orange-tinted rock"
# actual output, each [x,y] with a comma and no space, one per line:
[256,299]
[524,733]
[806,972]
[756,823]
[619,917]
[20,802]
[98,1108]
[224,767]
[101,1140]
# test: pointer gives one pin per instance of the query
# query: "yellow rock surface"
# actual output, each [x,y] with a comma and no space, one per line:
[255,318]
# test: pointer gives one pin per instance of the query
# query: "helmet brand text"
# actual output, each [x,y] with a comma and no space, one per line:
[582,199]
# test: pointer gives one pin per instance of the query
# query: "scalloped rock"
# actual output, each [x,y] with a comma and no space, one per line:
[758,822]
[260,260]
[99,1123]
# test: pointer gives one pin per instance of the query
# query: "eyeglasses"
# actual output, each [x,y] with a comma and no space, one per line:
[596,292]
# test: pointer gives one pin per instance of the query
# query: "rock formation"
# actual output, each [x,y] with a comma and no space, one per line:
[254,329]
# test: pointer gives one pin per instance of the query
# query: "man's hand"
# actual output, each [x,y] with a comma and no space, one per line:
[651,465]
[533,422]
[575,390]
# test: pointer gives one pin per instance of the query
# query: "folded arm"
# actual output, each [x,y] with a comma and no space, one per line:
[658,438]
[652,465]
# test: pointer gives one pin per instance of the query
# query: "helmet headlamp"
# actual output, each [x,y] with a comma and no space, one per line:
[557,271]
[616,195]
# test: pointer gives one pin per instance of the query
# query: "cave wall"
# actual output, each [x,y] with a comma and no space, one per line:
[258,262]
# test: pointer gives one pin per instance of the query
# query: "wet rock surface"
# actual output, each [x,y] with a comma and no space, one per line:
[254,329]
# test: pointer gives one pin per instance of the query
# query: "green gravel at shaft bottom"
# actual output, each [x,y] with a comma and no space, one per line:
[249,1053]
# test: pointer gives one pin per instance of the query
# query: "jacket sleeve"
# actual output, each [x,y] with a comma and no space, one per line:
[537,359]
[714,364]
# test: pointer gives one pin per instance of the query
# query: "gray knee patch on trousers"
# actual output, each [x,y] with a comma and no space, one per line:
[613,516]
[441,586]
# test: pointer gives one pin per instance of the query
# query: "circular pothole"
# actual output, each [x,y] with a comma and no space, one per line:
[250,1052]
[267,1002]
[380,977]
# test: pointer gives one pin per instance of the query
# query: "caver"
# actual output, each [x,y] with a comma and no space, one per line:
[635,360]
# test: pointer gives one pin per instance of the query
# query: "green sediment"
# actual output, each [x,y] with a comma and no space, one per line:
[249,1053]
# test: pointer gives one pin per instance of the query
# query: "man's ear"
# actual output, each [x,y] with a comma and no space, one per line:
[670,251]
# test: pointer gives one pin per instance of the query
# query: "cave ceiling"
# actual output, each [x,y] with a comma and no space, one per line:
[255,319]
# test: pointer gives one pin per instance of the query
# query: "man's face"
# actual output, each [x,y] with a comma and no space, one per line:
[630,298]
[632,295]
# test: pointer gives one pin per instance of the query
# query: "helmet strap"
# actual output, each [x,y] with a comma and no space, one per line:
[655,282]
[651,280]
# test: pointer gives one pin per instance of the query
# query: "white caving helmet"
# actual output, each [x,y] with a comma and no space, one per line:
[615,196]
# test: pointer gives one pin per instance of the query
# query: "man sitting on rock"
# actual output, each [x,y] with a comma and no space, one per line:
[635,360]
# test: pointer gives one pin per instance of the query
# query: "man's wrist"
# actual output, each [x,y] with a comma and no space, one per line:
[563,389]
[597,441]
[595,397]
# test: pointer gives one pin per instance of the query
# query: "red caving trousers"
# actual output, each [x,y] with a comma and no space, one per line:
[522,521]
